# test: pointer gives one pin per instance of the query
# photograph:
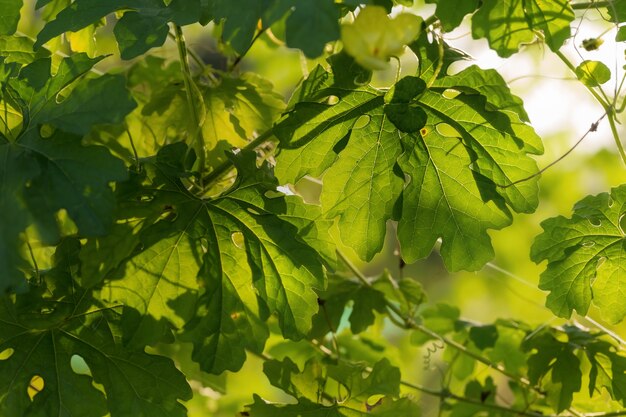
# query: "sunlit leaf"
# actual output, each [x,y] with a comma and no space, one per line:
[593,73]
[458,171]
[509,24]
[585,255]
[56,322]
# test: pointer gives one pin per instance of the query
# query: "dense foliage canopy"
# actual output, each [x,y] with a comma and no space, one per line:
[168,220]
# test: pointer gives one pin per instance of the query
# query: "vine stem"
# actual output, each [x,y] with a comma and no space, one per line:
[608,108]
[590,4]
[198,139]
[409,323]
[223,168]
[593,128]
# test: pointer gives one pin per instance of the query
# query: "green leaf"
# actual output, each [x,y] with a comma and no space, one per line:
[484,393]
[238,247]
[361,384]
[130,33]
[458,167]
[620,36]
[556,358]
[508,25]
[430,59]
[585,255]
[46,169]
[312,25]
[365,302]
[593,73]
[452,12]
[9,16]
[286,376]
[131,30]
[617,11]
[405,116]
[63,341]
[383,379]
[20,49]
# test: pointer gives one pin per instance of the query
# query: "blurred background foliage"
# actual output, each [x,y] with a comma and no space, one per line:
[561,111]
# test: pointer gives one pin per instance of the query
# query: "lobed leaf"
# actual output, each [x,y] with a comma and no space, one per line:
[449,161]
[509,24]
[585,255]
[232,259]
[47,168]
[61,341]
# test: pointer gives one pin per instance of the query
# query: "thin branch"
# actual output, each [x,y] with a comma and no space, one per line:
[409,323]
[592,128]
[190,88]
[226,166]
[590,5]
[240,57]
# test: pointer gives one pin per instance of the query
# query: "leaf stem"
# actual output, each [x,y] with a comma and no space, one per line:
[223,168]
[590,4]
[198,140]
[593,128]
[132,145]
[608,108]
[409,323]
[190,51]
[32,257]
[240,57]
[444,394]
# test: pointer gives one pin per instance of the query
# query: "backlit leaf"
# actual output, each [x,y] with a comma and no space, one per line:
[509,24]
[75,326]
[457,171]
[585,255]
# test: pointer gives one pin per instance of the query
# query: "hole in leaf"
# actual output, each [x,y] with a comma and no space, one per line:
[204,244]
[447,131]
[424,131]
[450,93]
[238,240]
[610,202]
[601,261]
[595,222]
[46,131]
[35,386]
[588,244]
[361,79]
[79,366]
[362,121]
[253,211]
[6,354]
[273,194]
[332,100]
[373,401]
[622,223]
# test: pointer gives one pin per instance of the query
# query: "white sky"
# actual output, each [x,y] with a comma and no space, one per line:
[554,104]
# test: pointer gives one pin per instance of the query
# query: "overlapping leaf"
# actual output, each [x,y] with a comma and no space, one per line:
[451,12]
[143,25]
[46,168]
[233,258]
[233,109]
[309,386]
[9,16]
[310,24]
[59,339]
[458,156]
[508,24]
[586,257]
